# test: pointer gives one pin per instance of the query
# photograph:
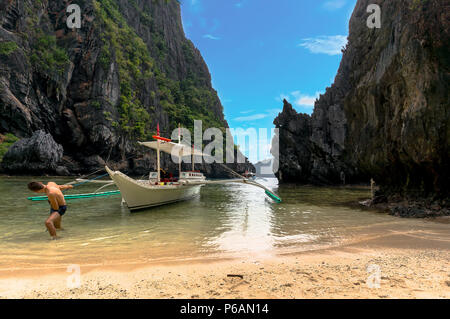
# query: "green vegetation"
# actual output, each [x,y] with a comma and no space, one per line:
[183,101]
[5,143]
[8,47]
[48,57]
[96,104]
[135,66]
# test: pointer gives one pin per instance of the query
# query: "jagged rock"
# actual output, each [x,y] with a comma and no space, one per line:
[386,116]
[38,154]
[84,106]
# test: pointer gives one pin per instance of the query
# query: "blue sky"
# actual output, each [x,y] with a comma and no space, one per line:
[261,51]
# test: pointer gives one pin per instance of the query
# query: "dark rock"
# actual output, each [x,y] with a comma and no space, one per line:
[386,116]
[94,162]
[379,199]
[408,212]
[38,154]
[62,171]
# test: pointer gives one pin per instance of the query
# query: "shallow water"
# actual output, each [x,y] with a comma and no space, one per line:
[224,220]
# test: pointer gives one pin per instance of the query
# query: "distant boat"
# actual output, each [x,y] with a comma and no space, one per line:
[157,190]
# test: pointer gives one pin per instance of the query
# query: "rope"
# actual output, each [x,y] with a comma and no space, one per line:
[75,184]
[231,171]
[84,176]
[90,180]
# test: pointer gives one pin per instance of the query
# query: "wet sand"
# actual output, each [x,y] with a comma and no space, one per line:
[411,265]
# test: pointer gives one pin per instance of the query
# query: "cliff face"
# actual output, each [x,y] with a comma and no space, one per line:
[387,115]
[100,88]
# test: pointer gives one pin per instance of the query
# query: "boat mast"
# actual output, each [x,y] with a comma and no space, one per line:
[158,156]
[193,168]
[179,154]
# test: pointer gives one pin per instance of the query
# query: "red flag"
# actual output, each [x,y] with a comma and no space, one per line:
[157,129]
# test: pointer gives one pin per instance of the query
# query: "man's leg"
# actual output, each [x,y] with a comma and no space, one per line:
[57,222]
[50,223]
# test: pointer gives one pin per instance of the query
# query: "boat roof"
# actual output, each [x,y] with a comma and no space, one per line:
[172,148]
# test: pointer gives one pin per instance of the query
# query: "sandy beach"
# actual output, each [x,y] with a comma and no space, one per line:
[412,265]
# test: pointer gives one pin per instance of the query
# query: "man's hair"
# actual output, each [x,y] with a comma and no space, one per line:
[35,186]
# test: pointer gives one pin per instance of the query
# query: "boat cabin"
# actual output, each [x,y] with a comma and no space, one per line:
[168,178]
[192,175]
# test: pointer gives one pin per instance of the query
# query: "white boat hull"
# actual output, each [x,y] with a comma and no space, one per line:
[140,194]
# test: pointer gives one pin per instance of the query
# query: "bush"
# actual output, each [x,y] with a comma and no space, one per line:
[48,57]
[8,47]
[7,140]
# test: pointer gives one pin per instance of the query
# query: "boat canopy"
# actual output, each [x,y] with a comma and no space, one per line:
[172,148]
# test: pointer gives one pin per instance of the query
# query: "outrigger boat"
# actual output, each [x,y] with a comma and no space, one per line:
[155,191]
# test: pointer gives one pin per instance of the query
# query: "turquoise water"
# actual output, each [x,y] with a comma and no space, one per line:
[224,220]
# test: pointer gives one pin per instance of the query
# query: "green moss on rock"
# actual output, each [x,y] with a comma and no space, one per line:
[6,141]
[48,57]
[8,47]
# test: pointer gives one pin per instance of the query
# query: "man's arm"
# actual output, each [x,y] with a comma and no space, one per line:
[64,187]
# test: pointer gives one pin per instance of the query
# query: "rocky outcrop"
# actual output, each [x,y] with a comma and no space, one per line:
[387,115]
[39,154]
[100,88]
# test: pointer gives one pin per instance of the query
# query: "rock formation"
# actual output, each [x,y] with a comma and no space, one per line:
[387,115]
[35,155]
[100,88]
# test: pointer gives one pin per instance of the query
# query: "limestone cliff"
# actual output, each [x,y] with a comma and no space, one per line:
[98,89]
[387,115]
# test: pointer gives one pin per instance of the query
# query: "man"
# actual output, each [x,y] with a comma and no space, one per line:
[57,203]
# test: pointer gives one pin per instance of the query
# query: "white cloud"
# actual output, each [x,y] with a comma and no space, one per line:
[300,99]
[334,4]
[210,36]
[305,99]
[258,116]
[251,117]
[330,45]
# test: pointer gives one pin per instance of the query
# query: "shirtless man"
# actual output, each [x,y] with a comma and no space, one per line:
[57,203]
